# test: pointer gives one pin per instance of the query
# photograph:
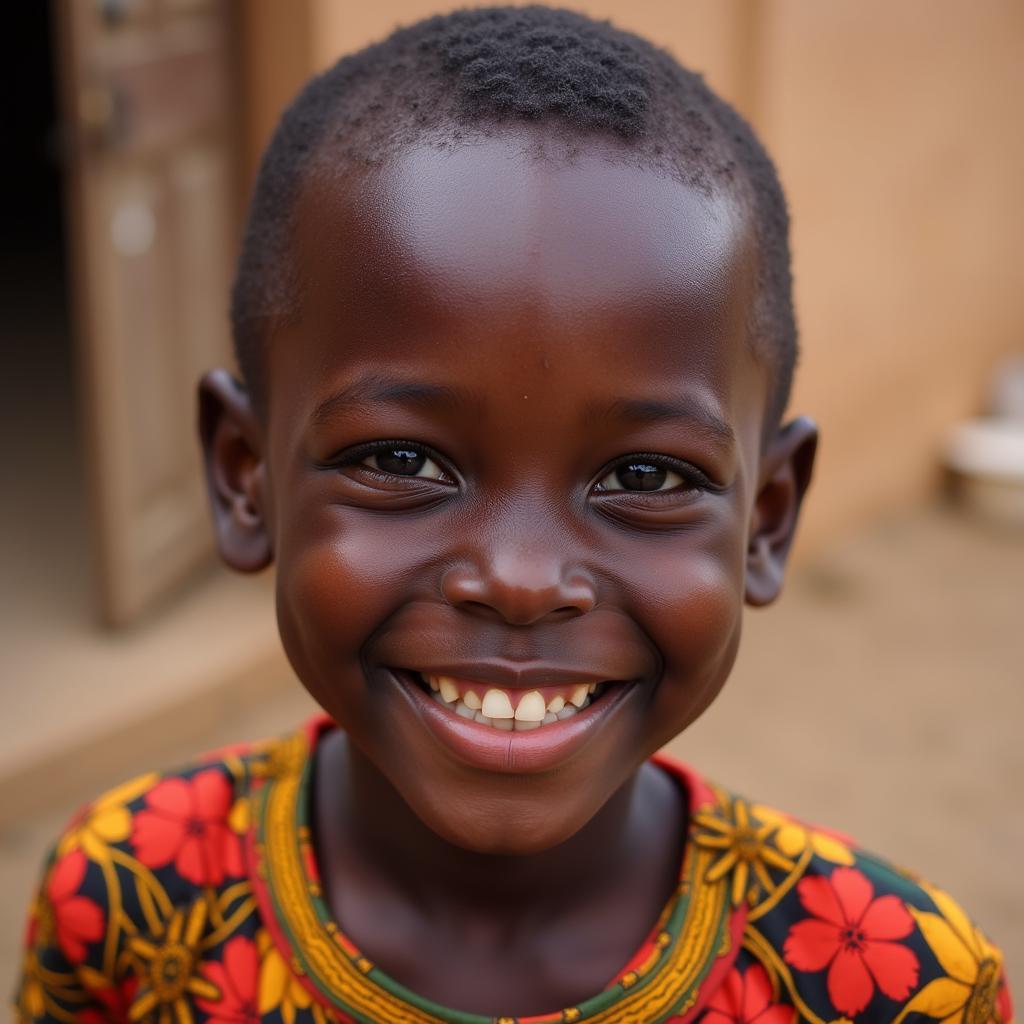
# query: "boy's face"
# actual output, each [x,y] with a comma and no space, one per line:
[515,439]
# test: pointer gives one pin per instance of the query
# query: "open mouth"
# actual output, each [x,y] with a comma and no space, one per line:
[510,710]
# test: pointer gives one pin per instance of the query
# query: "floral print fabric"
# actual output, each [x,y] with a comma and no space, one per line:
[164,902]
[856,937]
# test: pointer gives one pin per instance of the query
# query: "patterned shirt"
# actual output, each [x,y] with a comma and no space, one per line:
[195,896]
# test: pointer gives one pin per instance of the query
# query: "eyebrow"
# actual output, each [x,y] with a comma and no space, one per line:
[378,388]
[646,410]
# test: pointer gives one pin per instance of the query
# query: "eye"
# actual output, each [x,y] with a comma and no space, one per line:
[640,475]
[403,460]
[650,474]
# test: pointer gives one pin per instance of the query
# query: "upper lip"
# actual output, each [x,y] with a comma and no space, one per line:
[512,675]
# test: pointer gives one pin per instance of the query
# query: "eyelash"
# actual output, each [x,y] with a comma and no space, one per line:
[694,478]
[356,456]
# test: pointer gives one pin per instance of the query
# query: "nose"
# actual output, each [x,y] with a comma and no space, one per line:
[519,587]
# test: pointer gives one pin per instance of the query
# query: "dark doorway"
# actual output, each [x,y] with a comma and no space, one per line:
[43,521]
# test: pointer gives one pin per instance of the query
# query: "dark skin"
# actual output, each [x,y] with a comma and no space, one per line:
[588,489]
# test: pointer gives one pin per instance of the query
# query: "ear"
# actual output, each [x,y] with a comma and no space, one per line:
[785,475]
[232,440]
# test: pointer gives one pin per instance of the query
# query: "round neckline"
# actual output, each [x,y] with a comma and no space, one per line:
[694,941]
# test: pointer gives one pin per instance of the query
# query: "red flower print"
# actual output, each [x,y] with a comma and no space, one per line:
[1004,1002]
[237,977]
[186,820]
[852,934]
[115,1000]
[77,920]
[745,998]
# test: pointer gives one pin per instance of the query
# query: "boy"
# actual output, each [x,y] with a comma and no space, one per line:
[514,320]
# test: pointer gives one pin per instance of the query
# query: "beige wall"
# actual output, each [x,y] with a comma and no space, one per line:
[896,128]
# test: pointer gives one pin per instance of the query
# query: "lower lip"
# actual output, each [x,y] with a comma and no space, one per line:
[515,753]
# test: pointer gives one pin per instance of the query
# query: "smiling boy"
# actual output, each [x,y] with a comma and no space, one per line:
[515,327]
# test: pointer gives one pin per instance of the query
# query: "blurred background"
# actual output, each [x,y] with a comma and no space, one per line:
[883,696]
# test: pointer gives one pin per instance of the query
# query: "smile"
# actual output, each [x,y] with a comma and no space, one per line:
[510,710]
[515,728]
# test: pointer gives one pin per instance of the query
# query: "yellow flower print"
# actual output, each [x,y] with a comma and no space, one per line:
[32,996]
[169,972]
[279,988]
[792,838]
[240,816]
[968,994]
[42,926]
[106,820]
[741,839]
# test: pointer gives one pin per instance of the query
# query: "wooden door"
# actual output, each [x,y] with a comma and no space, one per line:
[146,86]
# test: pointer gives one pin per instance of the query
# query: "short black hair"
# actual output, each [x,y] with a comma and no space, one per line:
[447,77]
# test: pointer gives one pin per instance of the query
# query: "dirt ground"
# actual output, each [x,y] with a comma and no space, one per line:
[883,696]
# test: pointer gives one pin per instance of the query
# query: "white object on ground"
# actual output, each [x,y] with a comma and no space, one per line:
[987,455]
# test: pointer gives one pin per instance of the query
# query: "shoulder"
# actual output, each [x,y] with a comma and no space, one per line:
[851,935]
[835,931]
[183,826]
[129,865]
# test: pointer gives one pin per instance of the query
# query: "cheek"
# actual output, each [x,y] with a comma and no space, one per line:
[695,624]
[336,583]
[706,614]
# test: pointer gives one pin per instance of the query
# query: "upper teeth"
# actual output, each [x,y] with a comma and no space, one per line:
[496,707]
[496,704]
[531,707]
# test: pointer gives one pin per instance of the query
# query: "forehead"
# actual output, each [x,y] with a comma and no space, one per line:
[483,255]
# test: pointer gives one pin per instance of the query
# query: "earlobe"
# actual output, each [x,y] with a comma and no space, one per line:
[231,437]
[785,477]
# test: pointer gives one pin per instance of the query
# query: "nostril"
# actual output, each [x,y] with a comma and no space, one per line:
[570,611]
[516,614]
[479,608]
